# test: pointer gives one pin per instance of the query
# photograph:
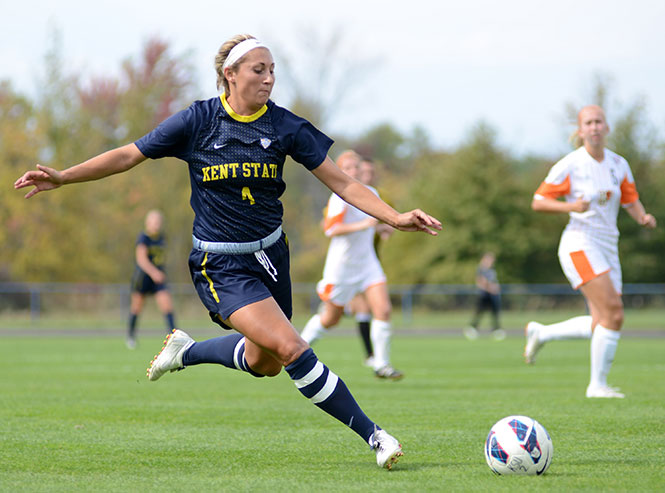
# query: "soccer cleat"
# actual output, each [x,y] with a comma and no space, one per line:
[471,333]
[604,393]
[388,372]
[170,357]
[130,342]
[388,449]
[533,343]
[369,362]
[499,334]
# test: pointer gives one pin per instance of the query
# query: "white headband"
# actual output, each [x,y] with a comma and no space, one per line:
[240,50]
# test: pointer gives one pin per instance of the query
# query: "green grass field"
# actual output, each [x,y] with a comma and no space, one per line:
[78,414]
[643,319]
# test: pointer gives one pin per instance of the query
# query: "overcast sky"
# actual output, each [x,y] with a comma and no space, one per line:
[444,66]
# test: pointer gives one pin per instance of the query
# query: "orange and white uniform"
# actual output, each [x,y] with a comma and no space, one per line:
[589,244]
[351,263]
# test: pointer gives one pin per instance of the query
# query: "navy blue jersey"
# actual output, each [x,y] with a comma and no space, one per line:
[235,164]
[156,246]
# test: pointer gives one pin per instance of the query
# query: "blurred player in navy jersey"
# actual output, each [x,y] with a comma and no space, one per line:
[489,298]
[235,146]
[149,276]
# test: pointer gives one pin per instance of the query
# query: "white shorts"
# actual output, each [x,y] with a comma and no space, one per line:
[342,293]
[584,258]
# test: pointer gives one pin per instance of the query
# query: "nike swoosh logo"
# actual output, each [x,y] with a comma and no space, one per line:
[218,146]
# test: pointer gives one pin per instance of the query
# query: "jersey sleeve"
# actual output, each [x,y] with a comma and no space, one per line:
[302,140]
[629,193]
[142,240]
[335,212]
[556,183]
[170,138]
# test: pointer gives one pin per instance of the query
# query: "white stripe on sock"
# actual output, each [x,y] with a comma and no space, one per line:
[311,377]
[236,351]
[328,388]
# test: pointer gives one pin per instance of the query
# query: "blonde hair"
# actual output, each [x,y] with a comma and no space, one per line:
[221,57]
[575,139]
[348,154]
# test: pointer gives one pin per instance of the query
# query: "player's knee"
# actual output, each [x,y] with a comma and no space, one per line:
[617,317]
[330,319]
[615,313]
[382,312]
[290,351]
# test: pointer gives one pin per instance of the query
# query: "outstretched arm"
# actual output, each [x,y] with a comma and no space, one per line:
[348,228]
[547,204]
[357,194]
[103,165]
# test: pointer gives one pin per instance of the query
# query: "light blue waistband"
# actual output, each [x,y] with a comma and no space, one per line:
[230,248]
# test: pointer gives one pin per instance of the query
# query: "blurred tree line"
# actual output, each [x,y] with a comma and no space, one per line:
[480,191]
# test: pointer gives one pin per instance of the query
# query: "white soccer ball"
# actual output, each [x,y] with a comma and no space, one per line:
[518,445]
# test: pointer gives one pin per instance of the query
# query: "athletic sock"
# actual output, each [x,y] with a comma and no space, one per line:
[228,351]
[603,348]
[313,330]
[328,392]
[573,328]
[380,334]
[131,332]
[363,320]
[170,322]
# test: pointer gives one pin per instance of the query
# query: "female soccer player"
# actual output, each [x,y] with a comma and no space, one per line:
[235,146]
[352,267]
[149,276]
[595,182]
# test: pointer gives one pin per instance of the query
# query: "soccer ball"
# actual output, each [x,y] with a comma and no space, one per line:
[518,445]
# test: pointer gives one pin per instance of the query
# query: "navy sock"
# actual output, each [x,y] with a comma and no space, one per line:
[364,328]
[132,325]
[228,351]
[325,389]
[170,323]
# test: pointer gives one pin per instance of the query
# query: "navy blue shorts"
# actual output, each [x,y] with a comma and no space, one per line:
[142,283]
[226,283]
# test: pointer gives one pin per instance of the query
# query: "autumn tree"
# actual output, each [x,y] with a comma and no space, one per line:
[87,233]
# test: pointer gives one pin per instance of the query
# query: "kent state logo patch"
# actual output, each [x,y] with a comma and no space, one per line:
[265,143]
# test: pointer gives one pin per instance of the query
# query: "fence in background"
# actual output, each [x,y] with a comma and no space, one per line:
[42,298]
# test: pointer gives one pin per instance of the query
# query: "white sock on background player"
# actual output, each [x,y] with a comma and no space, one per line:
[573,328]
[603,348]
[380,334]
[313,330]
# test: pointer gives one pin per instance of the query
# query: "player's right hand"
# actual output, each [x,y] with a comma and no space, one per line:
[43,179]
[158,277]
[580,205]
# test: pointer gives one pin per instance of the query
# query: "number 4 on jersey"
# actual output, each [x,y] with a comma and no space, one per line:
[247,195]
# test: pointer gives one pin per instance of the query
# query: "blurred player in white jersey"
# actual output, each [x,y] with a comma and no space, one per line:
[594,182]
[358,306]
[352,267]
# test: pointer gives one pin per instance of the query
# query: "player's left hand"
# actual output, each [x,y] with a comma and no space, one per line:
[44,179]
[417,220]
[648,221]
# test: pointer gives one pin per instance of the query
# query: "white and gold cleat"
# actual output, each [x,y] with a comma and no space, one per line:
[170,357]
[388,449]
